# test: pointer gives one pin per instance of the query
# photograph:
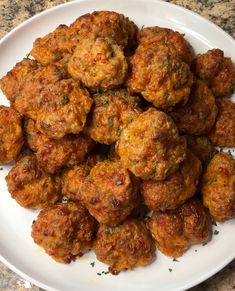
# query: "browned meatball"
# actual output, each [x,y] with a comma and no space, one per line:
[125,246]
[108,24]
[12,83]
[65,231]
[55,46]
[201,147]
[223,133]
[218,187]
[54,154]
[30,186]
[65,109]
[216,70]
[175,230]
[11,134]
[150,147]
[167,39]
[176,189]
[160,77]
[198,116]
[112,111]
[99,63]
[109,192]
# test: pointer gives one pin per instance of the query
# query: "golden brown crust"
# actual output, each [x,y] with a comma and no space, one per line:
[216,70]
[175,230]
[30,186]
[151,147]
[99,63]
[112,111]
[198,116]
[168,40]
[11,134]
[109,192]
[125,246]
[218,187]
[176,189]
[54,154]
[65,231]
[160,77]
[223,133]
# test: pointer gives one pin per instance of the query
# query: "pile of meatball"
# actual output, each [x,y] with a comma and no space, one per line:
[114,131]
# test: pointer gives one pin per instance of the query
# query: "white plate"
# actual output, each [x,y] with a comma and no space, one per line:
[16,245]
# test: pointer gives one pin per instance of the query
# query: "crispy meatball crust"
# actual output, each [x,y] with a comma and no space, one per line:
[125,246]
[99,63]
[151,147]
[54,154]
[201,147]
[216,70]
[11,134]
[109,192]
[12,83]
[175,230]
[65,231]
[223,133]
[218,187]
[30,186]
[112,111]
[168,40]
[160,77]
[176,189]
[108,24]
[198,116]
[65,109]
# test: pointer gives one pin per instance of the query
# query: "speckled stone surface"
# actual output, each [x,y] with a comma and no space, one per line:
[221,12]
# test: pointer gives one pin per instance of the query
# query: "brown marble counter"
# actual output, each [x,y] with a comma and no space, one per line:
[221,12]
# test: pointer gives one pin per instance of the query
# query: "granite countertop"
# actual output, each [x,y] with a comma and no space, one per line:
[221,12]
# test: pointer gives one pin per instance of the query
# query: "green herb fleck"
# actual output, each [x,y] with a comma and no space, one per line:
[92,264]
[118,132]
[90,178]
[110,230]
[165,40]
[99,274]
[1,169]
[175,260]
[118,182]
[113,54]
[170,270]
[70,110]
[25,162]
[66,62]
[214,223]
[195,251]
[204,244]
[216,232]
[52,102]
[64,100]
[27,55]
[201,115]
[110,121]
[34,221]
[106,103]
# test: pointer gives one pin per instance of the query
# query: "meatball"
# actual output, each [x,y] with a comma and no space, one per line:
[109,192]
[99,63]
[176,189]
[30,186]
[65,109]
[125,246]
[150,147]
[198,116]
[108,24]
[54,154]
[216,70]
[12,83]
[201,147]
[160,77]
[55,46]
[65,231]
[11,134]
[175,230]
[112,111]
[218,187]
[168,40]
[223,133]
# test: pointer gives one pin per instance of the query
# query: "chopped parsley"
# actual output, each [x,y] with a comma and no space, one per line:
[110,121]
[204,244]
[165,40]
[103,272]
[214,223]
[201,115]
[25,162]
[175,260]
[118,132]
[27,55]
[118,182]
[110,230]
[64,100]
[90,178]
[216,232]
[1,169]
[92,264]
[170,270]
[106,103]
[70,110]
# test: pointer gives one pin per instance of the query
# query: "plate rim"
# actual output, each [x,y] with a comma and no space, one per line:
[185,286]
